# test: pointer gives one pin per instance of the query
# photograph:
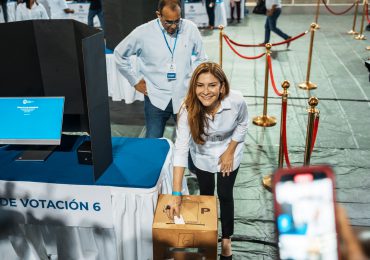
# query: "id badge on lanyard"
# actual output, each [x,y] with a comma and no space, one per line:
[171,71]
[170,67]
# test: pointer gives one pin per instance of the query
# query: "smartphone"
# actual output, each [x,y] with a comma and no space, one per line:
[305,215]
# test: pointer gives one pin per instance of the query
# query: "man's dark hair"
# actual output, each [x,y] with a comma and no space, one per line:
[172,4]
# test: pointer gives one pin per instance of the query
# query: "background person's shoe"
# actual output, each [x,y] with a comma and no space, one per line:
[288,43]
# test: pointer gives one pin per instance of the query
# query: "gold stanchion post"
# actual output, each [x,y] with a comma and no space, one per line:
[360,36]
[265,120]
[354,20]
[221,43]
[267,180]
[284,100]
[308,85]
[317,14]
[312,111]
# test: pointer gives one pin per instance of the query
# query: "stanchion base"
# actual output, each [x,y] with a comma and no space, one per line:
[352,32]
[360,37]
[308,85]
[265,121]
[267,182]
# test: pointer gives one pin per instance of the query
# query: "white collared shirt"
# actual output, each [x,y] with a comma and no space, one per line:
[55,8]
[270,3]
[229,123]
[146,42]
[37,11]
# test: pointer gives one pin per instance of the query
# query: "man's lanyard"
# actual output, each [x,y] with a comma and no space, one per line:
[168,46]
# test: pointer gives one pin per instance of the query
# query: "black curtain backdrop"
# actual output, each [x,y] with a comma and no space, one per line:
[122,16]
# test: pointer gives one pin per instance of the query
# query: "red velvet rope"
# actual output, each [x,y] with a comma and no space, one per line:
[262,44]
[240,55]
[244,45]
[331,11]
[272,77]
[367,13]
[315,129]
[290,39]
[285,143]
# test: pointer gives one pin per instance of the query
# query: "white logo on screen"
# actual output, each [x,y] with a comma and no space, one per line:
[25,101]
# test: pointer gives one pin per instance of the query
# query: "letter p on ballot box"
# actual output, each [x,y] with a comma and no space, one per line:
[196,239]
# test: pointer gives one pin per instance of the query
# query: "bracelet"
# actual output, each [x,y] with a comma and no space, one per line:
[176,193]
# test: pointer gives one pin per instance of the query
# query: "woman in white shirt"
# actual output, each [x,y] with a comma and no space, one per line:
[30,10]
[211,124]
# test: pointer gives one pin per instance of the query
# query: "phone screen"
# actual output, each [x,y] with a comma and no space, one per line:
[306,217]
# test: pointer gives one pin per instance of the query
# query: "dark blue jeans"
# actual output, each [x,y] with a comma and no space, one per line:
[270,25]
[156,119]
[211,12]
[91,15]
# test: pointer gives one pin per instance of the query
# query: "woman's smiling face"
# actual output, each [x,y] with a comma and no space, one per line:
[208,90]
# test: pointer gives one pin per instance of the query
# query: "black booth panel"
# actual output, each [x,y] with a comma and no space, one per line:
[97,96]
[19,62]
[121,17]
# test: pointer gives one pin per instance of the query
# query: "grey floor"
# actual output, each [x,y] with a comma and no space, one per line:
[343,139]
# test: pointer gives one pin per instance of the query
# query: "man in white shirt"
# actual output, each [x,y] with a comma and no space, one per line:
[164,48]
[273,12]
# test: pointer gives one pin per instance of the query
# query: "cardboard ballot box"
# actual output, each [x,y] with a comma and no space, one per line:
[196,239]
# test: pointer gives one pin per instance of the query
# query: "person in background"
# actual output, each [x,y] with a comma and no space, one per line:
[233,4]
[96,9]
[166,49]
[4,7]
[272,14]
[211,127]
[210,7]
[30,10]
[57,9]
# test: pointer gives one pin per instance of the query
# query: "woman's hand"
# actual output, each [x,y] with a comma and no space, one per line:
[226,161]
[174,208]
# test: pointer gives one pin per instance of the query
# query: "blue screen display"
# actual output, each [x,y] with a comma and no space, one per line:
[31,120]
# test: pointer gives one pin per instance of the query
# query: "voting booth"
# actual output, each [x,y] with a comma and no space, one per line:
[61,58]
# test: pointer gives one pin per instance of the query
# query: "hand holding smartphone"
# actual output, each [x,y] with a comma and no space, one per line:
[305,215]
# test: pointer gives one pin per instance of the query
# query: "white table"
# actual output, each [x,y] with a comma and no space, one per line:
[118,86]
[131,238]
[220,14]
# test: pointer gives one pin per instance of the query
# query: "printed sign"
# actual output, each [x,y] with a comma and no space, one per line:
[196,12]
[60,204]
[81,13]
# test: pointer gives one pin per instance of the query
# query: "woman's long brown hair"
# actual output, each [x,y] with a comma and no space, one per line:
[196,111]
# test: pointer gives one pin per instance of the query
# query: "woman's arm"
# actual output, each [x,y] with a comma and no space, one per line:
[178,174]
[180,160]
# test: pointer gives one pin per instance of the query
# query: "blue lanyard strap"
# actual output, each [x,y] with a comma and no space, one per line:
[168,46]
